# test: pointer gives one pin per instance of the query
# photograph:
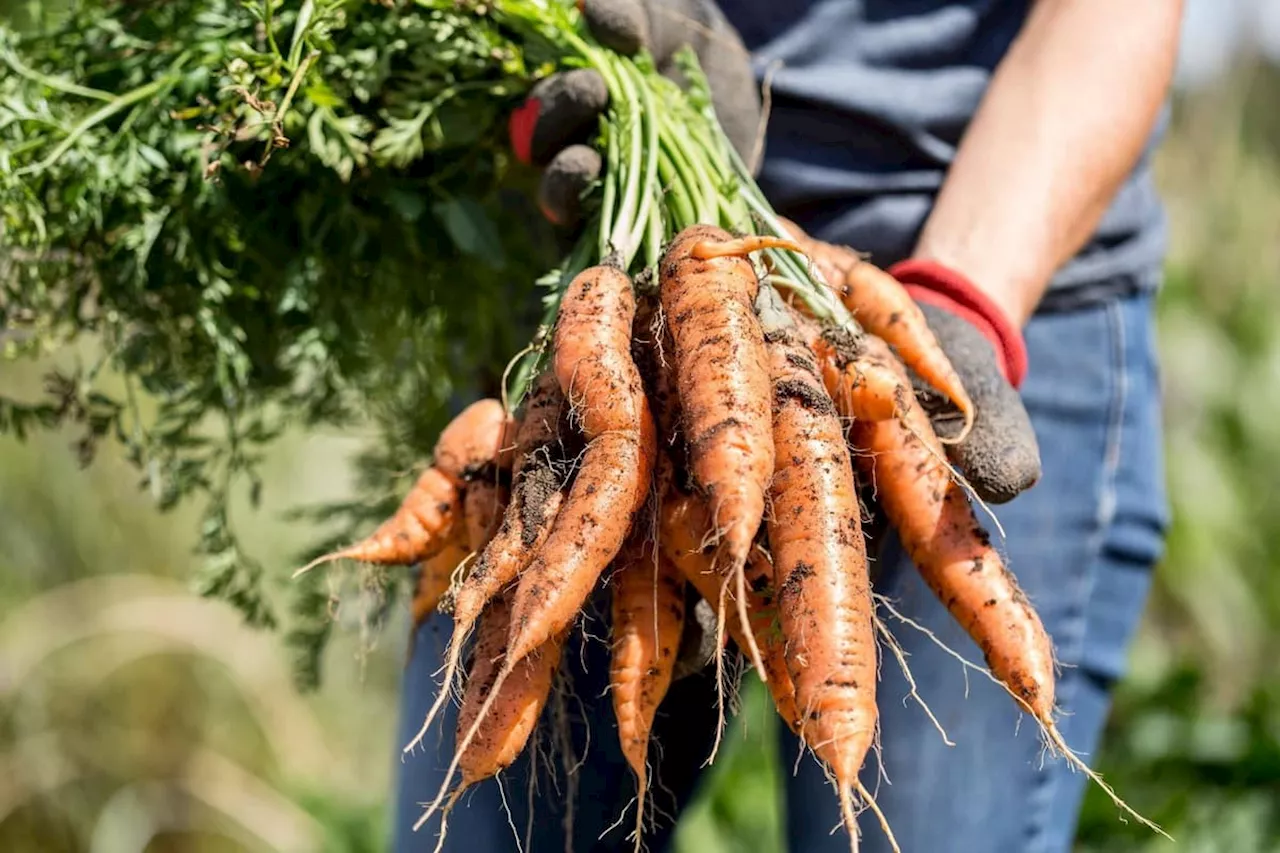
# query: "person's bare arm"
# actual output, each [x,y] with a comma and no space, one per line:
[1063,122]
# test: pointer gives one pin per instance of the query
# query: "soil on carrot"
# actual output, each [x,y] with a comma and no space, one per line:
[806,394]
[539,481]
[847,345]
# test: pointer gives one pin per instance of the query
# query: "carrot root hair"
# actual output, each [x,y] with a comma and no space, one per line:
[848,816]
[444,819]
[744,616]
[1059,746]
[896,648]
[1053,738]
[866,797]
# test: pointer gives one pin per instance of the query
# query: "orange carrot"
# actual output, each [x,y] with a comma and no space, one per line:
[723,382]
[954,555]
[483,504]
[536,494]
[435,577]
[537,491]
[592,343]
[882,305]
[820,563]
[737,247]
[472,440]
[685,524]
[513,704]
[648,617]
[417,531]
[941,535]
[856,372]
[651,347]
[592,359]
[834,262]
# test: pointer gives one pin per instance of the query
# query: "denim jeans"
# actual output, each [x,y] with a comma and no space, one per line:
[1082,543]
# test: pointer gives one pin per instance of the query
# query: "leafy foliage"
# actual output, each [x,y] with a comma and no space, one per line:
[269,215]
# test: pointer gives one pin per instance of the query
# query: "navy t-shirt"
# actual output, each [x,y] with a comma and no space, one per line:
[869,103]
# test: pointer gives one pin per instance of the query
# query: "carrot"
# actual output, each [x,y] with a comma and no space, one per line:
[434,580]
[482,505]
[603,388]
[651,347]
[855,371]
[592,360]
[436,575]
[882,305]
[723,383]
[717,247]
[475,438]
[648,617]
[684,524]
[536,494]
[514,705]
[417,531]
[535,499]
[820,562]
[954,555]
[834,262]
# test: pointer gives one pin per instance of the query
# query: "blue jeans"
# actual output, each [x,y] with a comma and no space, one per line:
[1082,543]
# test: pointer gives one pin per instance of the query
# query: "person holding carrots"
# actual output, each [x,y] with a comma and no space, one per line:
[995,157]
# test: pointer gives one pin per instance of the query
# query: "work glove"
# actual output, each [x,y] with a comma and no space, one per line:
[550,129]
[1000,457]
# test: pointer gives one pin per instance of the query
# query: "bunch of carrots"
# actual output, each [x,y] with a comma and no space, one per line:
[704,430]
[708,390]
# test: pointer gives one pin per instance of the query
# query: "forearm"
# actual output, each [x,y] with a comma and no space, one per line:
[1063,122]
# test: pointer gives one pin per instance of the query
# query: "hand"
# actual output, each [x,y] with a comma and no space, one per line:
[1000,457]
[561,112]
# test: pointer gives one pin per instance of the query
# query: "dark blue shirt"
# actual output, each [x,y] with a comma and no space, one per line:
[868,107]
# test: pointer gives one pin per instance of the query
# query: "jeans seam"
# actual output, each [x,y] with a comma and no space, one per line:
[1045,782]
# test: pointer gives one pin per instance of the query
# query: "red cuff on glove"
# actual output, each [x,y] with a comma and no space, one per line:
[932,283]
[520,127]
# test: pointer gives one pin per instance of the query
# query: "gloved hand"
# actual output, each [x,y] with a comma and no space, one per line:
[562,111]
[1000,457]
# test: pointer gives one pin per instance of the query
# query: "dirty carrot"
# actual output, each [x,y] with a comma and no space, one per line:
[513,706]
[475,438]
[536,494]
[417,531]
[648,617]
[856,373]
[723,383]
[592,360]
[954,554]
[825,608]
[955,557]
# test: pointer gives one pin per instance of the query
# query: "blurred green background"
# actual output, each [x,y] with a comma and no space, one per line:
[135,716]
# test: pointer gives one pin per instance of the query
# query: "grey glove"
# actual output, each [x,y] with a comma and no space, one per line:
[1000,456]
